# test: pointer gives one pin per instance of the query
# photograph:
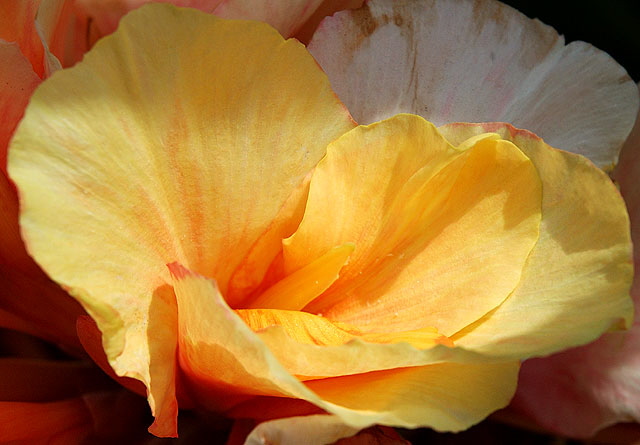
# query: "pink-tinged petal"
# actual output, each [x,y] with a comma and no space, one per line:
[463,61]
[326,9]
[286,16]
[601,381]
[66,31]
[17,83]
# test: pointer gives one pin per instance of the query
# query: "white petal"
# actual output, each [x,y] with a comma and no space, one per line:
[458,61]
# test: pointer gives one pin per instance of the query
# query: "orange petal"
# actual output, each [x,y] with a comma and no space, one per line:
[18,24]
[441,233]
[298,289]
[17,83]
[231,349]
[66,421]
[228,363]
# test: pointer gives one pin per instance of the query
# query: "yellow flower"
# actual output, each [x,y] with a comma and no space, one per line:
[198,187]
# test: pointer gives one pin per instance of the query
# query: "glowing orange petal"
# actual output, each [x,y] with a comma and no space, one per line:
[18,24]
[441,233]
[296,290]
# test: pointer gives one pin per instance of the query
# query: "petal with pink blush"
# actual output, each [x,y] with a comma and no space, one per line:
[458,61]
[600,380]
[17,83]
[286,16]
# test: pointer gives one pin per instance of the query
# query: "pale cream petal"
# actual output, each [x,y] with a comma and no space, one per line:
[310,430]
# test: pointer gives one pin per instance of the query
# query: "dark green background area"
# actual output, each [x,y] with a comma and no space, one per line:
[610,25]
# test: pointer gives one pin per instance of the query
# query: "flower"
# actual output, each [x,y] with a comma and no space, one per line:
[536,88]
[238,240]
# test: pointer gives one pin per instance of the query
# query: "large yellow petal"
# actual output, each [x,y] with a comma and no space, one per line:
[229,365]
[441,233]
[180,137]
[576,282]
[451,396]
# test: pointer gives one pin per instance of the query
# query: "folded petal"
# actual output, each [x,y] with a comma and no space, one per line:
[228,365]
[312,347]
[135,158]
[445,397]
[578,274]
[453,61]
[441,233]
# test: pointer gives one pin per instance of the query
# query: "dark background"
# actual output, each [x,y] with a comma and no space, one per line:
[610,25]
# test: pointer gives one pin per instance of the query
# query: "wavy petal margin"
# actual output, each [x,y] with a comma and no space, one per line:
[482,61]
[229,364]
[575,285]
[441,233]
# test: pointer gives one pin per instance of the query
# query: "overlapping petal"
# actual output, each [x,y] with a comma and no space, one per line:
[441,234]
[600,379]
[206,151]
[231,364]
[458,61]
[583,255]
